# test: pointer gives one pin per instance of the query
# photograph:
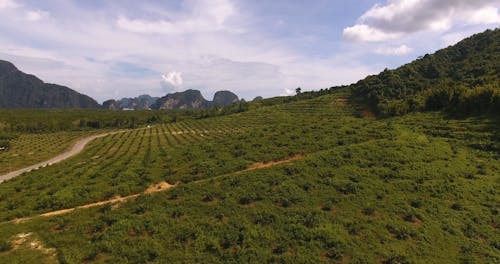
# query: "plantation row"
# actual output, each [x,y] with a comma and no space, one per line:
[119,164]
[126,163]
[28,149]
[326,106]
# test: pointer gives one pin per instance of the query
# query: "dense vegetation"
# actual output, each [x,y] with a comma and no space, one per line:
[462,79]
[53,120]
[5,140]
[44,120]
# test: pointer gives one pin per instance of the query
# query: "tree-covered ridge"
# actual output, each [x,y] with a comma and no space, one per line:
[448,79]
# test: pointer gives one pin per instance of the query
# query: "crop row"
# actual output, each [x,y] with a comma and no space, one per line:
[29,149]
[119,164]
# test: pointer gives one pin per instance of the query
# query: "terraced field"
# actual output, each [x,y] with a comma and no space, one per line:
[310,181]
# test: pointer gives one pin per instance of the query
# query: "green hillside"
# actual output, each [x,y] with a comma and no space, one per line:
[463,79]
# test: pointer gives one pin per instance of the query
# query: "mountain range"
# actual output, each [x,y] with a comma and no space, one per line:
[21,90]
[137,103]
[192,99]
[189,99]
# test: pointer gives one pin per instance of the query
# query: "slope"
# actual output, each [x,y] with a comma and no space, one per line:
[463,78]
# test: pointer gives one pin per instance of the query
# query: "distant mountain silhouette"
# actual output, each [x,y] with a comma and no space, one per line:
[21,90]
[192,99]
[137,103]
[224,98]
[111,104]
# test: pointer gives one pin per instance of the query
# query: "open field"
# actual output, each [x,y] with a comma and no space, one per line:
[417,188]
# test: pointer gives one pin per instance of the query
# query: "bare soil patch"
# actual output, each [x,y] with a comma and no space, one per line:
[368,114]
[341,101]
[28,241]
[261,165]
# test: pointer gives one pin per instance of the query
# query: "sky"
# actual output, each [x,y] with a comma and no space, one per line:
[124,48]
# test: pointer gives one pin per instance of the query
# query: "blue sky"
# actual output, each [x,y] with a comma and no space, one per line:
[114,49]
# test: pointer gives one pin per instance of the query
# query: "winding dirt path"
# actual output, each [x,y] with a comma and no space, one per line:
[262,165]
[77,148]
[159,187]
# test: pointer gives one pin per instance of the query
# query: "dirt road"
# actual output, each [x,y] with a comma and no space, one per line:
[159,187]
[77,148]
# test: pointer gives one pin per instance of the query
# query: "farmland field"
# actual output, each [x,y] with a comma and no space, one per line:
[28,149]
[306,181]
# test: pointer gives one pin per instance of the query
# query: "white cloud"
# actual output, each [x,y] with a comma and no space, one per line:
[4,4]
[172,81]
[366,33]
[30,15]
[397,51]
[400,17]
[287,92]
[204,16]
[217,10]
[173,78]
[389,11]
[486,15]
[36,15]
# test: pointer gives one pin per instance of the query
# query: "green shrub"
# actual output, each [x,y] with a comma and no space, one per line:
[5,246]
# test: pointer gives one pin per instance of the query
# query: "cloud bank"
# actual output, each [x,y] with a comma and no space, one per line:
[397,17]
[400,50]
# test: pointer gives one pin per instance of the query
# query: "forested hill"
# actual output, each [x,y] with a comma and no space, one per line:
[21,90]
[463,79]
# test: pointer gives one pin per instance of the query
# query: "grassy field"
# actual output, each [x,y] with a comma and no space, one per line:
[420,188]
